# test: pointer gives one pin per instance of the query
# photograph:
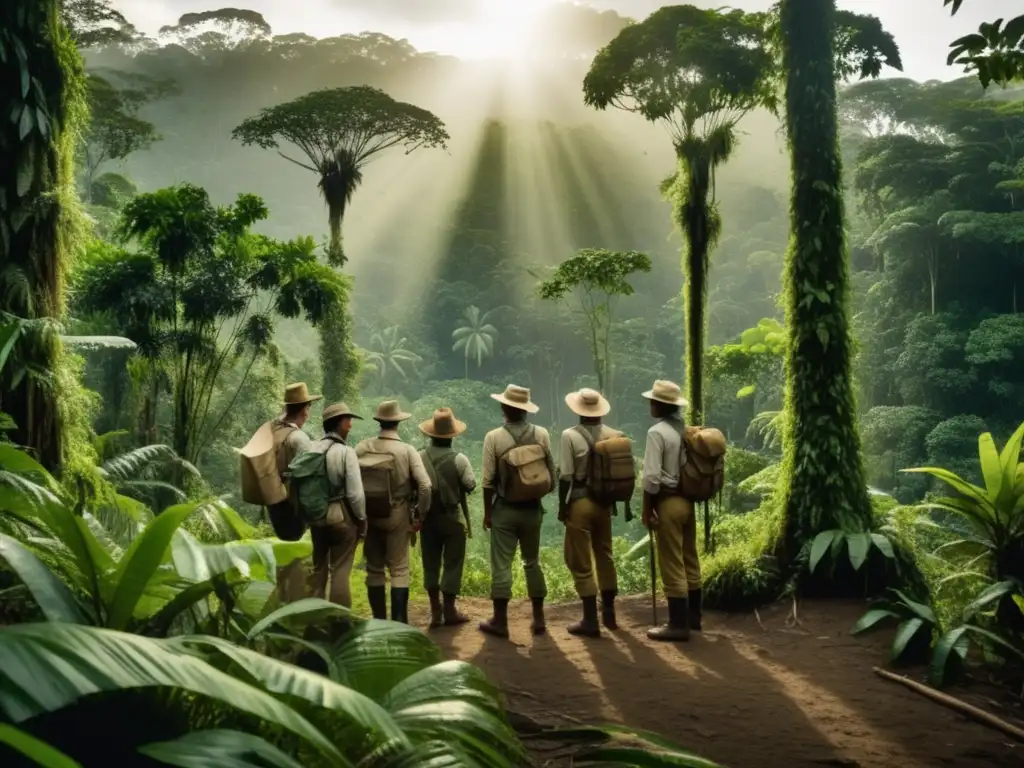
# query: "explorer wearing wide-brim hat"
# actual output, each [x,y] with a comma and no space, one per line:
[390,412]
[588,403]
[517,397]
[667,392]
[443,425]
[298,394]
[338,410]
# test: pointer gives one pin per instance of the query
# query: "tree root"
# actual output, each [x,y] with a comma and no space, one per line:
[968,710]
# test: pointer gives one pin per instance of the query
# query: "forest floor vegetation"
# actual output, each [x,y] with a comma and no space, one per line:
[753,690]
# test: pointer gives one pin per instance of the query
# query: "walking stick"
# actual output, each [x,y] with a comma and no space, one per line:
[654,578]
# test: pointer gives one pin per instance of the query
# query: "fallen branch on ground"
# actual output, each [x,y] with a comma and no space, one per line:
[968,710]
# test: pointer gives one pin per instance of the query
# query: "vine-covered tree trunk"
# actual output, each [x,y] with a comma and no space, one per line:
[338,358]
[42,103]
[822,479]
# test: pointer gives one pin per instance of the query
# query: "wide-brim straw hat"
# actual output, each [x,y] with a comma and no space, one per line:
[443,425]
[298,394]
[390,410]
[588,402]
[667,392]
[338,409]
[517,397]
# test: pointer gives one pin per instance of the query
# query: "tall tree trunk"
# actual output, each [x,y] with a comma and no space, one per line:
[694,220]
[822,482]
[41,99]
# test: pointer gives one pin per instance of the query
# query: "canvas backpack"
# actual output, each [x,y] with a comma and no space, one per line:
[310,485]
[703,474]
[259,469]
[611,471]
[526,474]
[444,479]
[378,470]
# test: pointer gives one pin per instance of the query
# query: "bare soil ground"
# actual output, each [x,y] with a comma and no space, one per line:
[749,692]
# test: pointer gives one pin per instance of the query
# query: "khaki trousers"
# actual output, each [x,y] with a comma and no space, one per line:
[588,542]
[516,526]
[443,544]
[677,546]
[334,551]
[387,548]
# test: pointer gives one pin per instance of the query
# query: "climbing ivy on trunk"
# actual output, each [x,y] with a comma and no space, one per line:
[822,482]
[42,103]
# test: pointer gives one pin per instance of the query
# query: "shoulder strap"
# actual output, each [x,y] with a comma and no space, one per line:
[586,436]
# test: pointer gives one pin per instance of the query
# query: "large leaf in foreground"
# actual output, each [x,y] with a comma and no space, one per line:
[52,596]
[377,655]
[39,752]
[50,666]
[223,749]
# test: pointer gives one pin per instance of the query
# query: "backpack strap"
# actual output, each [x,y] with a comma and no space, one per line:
[339,495]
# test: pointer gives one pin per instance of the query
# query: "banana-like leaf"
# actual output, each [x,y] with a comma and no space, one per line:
[284,679]
[39,752]
[447,681]
[904,634]
[307,610]
[159,624]
[1009,460]
[50,666]
[991,469]
[141,561]
[375,656]
[489,740]
[51,594]
[224,749]
[956,482]
[871,619]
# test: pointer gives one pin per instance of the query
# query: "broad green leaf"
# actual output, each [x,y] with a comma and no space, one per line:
[159,625]
[287,680]
[51,594]
[478,732]
[997,641]
[50,666]
[447,681]
[39,752]
[857,545]
[954,481]
[955,642]
[375,656]
[141,561]
[307,610]
[904,634]
[883,545]
[920,609]
[991,469]
[1019,602]
[820,546]
[1009,459]
[871,618]
[989,595]
[224,749]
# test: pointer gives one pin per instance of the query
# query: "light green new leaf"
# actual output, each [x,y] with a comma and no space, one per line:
[141,561]
[857,545]
[37,751]
[50,666]
[224,749]
[991,469]
[954,481]
[1009,460]
[51,594]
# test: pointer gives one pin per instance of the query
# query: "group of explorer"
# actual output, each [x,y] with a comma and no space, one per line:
[385,492]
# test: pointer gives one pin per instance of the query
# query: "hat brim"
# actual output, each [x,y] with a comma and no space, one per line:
[312,399]
[427,428]
[397,417]
[577,406]
[345,415]
[682,402]
[529,407]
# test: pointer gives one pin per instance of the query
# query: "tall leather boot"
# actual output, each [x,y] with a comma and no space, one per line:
[696,609]
[497,625]
[538,626]
[588,627]
[677,630]
[608,609]
[400,604]
[378,601]
[436,615]
[452,617]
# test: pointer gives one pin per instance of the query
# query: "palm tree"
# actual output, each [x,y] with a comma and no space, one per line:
[475,338]
[387,354]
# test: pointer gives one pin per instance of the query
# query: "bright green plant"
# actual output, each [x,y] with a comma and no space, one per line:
[917,623]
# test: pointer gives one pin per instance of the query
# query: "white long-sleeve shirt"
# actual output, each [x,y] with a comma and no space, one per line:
[663,456]
[343,471]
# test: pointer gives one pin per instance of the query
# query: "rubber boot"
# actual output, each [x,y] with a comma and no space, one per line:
[497,625]
[452,617]
[400,604]
[677,630]
[696,609]
[436,614]
[378,602]
[608,609]
[589,626]
[538,626]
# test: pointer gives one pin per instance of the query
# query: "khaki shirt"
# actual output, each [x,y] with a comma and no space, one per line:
[663,456]
[343,472]
[295,443]
[574,454]
[498,442]
[411,477]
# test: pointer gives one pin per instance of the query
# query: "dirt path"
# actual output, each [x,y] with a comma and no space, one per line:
[744,693]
